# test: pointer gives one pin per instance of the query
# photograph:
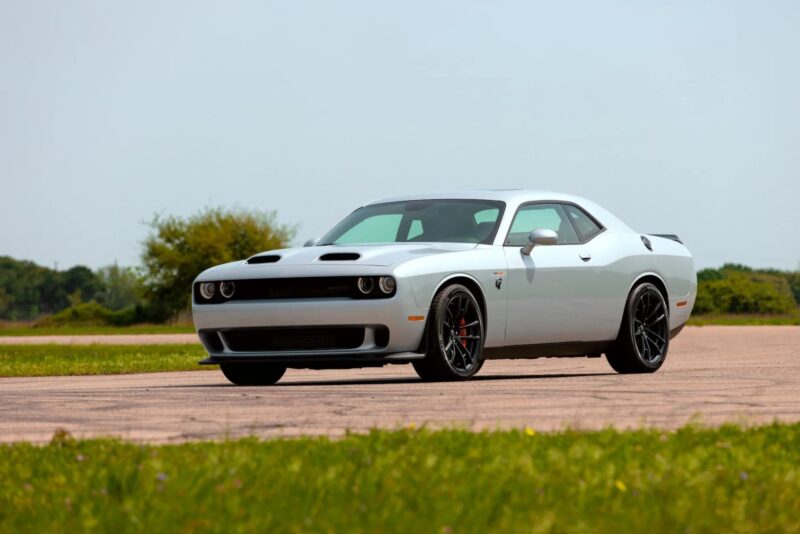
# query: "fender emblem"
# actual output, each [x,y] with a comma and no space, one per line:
[498,283]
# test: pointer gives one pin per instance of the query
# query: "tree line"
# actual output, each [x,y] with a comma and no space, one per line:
[174,253]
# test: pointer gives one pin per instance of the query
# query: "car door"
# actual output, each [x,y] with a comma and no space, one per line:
[550,291]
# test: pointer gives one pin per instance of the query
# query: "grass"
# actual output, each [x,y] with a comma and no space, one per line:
[56,360]
[698,480]
[745,319]
[11,329]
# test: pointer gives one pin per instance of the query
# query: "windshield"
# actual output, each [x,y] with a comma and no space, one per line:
[438,221]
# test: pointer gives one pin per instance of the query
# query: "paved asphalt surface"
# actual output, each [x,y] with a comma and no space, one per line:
[712,375]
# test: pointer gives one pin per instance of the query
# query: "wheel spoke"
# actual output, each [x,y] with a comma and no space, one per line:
[656,309]
[653,347]
[464,355]
[469,336]
[653,333]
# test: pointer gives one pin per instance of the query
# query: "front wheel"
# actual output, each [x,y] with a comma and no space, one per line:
[252,374]
[643,340]
[455,336]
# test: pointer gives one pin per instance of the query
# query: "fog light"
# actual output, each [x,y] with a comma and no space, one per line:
[207,290]
[226,289]
[366,285]
[387,284]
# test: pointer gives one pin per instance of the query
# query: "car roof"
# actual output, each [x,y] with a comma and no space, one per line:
[514,197]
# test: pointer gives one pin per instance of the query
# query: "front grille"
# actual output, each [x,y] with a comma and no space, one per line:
[292,288]
[280,339]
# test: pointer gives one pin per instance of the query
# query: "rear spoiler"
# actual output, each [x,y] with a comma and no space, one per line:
[668,236]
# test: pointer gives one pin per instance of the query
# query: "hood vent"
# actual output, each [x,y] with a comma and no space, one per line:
[268,258]
[340,256]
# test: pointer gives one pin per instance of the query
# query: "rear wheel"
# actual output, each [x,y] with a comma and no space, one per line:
[252,374]
[455,336]
[643,340]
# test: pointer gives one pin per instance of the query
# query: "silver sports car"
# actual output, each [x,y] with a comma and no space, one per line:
[445,282]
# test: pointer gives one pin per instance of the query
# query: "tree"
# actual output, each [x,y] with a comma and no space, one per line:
[121,287]
[179,249]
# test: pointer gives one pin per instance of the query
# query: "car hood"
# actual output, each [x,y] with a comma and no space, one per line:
[313,261]
[376,255]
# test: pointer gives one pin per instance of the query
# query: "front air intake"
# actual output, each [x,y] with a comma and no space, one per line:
[268,258]
[340,256]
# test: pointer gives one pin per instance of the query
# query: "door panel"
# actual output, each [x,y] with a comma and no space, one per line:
[550,296]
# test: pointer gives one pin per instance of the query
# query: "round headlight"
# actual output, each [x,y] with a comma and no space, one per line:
[207,290]
[226,289]
[366,285]
[387,284]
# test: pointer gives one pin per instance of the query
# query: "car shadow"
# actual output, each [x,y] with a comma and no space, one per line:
[394,380]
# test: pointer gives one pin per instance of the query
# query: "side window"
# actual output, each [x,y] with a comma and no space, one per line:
[586,227]
[535,216]
[375,229]
[415,230]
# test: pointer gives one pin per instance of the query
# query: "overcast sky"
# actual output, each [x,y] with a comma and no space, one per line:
[680,117]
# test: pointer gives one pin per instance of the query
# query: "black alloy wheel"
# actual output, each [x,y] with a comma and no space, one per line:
[643,340]
[455,336]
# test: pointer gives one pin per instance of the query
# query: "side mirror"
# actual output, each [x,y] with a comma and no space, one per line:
[311,242]
[540,236]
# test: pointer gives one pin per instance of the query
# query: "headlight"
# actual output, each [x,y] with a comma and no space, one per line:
[207,290]
[366,285]
[226,289]
[387,284]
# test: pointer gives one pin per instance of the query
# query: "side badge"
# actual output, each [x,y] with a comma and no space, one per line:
[647,243]
[498,283]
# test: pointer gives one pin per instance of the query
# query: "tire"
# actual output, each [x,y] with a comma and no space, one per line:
[252,374]
[643,340]
[455,337]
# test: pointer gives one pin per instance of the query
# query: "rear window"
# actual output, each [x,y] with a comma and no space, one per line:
[585,225]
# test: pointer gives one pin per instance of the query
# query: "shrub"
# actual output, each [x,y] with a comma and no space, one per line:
[737,290]
[90,314]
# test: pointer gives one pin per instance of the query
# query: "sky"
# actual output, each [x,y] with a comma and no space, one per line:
[679,117]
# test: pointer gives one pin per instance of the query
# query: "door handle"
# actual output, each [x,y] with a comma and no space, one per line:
[585,256]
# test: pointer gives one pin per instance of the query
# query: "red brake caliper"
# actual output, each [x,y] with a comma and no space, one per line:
[462,332]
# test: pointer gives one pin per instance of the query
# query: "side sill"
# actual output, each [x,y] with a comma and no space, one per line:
[547,350]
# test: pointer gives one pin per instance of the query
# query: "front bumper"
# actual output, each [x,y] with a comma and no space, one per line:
[404,339]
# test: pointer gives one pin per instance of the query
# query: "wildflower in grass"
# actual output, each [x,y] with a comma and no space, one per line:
[621,486]
[529,431]
[162,477]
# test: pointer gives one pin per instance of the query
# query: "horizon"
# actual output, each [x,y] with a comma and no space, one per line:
[678,119]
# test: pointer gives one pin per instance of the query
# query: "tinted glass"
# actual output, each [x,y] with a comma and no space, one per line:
[585,225]
[541,216]
[443,221]
[375,229]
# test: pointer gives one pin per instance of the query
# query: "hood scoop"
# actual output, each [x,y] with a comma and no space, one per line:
[340,256]
[267,258]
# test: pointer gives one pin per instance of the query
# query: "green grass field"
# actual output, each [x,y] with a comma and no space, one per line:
[693,480]
[55,360]
[11,329]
